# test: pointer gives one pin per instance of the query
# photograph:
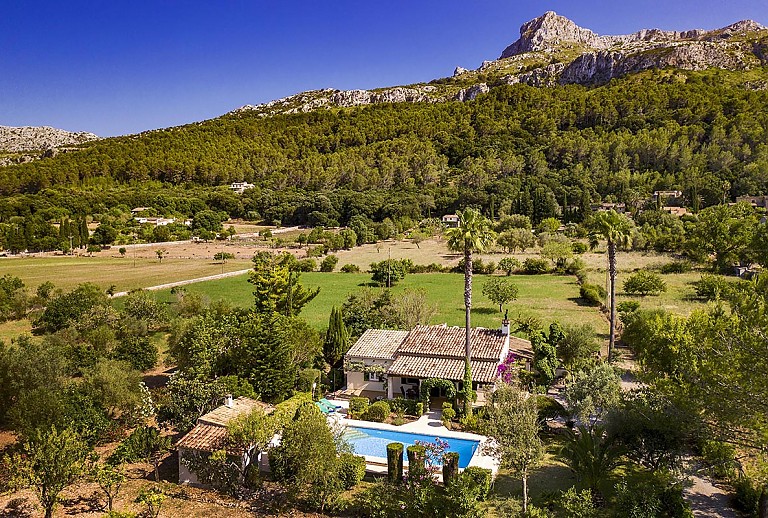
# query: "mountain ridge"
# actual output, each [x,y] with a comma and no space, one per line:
[553,49]
[47,141]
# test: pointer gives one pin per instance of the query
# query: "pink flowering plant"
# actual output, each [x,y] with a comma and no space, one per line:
[434,454]
[507,370]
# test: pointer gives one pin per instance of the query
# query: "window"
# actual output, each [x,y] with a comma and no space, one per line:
[373,376]
[409,381]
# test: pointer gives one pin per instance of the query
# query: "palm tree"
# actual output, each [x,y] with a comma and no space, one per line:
[474,234]
[591,455]
[614,228]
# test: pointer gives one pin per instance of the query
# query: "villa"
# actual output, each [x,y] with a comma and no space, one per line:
[451,220]
[386,363]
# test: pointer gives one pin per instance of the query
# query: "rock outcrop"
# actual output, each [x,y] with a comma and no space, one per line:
[39,138]
[554,50]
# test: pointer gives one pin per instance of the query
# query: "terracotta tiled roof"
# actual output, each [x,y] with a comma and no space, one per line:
[224,414]
[204,437]
[377,344]
[445,368]
[521,348]
[448,342]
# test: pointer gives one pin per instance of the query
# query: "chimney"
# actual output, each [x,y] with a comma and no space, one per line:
[228,402]
[505,324]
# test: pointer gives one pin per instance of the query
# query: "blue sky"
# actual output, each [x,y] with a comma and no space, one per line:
[127,66]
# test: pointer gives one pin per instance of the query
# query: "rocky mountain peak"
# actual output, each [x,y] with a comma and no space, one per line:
[547,31]
[39,138]
[550,30]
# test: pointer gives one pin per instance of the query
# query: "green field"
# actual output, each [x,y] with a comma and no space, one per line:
[547,297]
[68,272]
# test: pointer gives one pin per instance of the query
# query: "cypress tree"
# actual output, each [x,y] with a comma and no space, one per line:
[336,338]
[83,232]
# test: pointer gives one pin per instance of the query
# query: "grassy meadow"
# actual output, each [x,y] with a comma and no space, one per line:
[547,297]
[68,272]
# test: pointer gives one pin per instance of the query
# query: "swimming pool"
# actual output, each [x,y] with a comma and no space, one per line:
[373,442]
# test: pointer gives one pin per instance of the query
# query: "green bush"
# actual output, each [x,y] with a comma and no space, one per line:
[592,294]
[535,266]
[143,442]
[407,406]
[419,408]
[627,306]
[481,478]
[306,378]
[351,469]
[575,266]
[449,414]
[711,287]
[747,497]
[720,459]
[676,267]
[549,408]
[306,265]
[579,247]
[358,405]
[329,263]
[138,351]
[582,276]
[377,412]
[350,268]
[644,283]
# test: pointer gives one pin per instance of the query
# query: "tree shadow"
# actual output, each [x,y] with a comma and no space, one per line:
[82,504]
[582,302]
[18,508]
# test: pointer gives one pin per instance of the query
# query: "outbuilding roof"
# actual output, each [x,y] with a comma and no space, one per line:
[210,432]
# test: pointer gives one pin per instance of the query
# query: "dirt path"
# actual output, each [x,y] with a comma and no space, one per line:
[707,499]
[188,281]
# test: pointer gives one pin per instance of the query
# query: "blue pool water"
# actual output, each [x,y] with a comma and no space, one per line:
[372,442]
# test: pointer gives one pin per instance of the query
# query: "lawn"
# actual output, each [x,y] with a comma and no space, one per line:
[546,297]
[14,328]
[68,272]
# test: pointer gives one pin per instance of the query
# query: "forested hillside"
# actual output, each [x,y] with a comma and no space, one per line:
[515,149]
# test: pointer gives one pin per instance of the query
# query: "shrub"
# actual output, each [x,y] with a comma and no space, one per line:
[579,247]
[747,497]
[720,459]
[306,378]
[535,266]
[644,283]
[627,306]
[481,477]
[676,267]
[549,408]
[449,414]
[351,469]
[592,294]
[575,266]
[138,351]
[407,406]
[711,287]
[143,442]
[306,265]
[582,276]
[358,405]
[350,268]
[329,263]
[377,412]
[509,265]
[419,408]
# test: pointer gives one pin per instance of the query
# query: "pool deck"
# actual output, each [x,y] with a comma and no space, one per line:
[429,424]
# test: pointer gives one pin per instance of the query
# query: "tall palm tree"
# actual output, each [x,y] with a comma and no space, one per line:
[474,234]
[614,228]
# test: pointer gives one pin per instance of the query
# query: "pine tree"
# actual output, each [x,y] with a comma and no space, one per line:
[336,338]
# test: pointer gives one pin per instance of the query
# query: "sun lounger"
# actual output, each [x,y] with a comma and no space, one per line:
[324,409]
[329,404]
